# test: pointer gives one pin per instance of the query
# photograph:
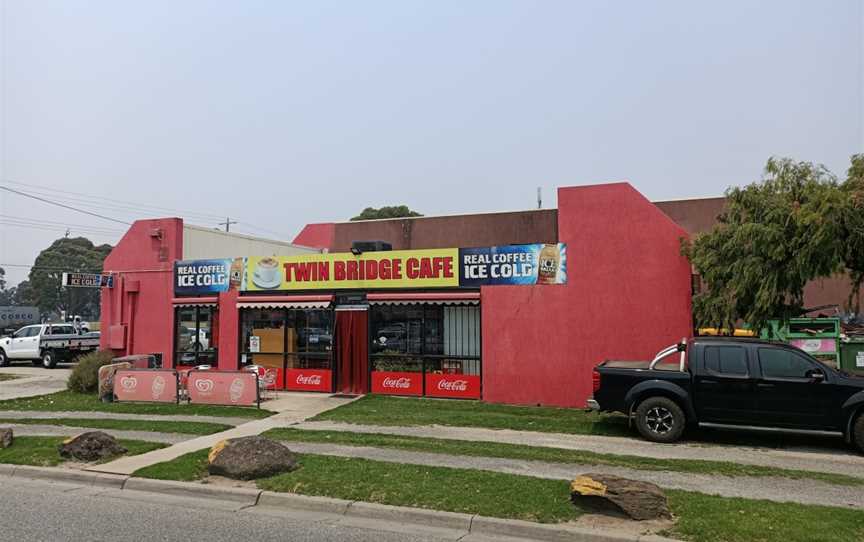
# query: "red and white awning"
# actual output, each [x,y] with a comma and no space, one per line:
[210,301]
[455,298]
[285,302]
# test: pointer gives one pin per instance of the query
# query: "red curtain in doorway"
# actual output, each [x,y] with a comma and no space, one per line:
[352,328]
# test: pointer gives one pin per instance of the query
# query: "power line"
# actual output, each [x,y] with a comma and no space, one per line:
[101,201]
[26,195]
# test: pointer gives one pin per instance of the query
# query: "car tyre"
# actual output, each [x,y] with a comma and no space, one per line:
[858,432]
[49,360]
[4,359]
[660,419]
[36,362]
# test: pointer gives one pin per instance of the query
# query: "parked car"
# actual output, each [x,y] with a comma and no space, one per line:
[46,344]
[732,383]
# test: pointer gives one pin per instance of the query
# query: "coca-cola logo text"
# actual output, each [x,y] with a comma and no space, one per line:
[453,385]
[397,383]
[309,380]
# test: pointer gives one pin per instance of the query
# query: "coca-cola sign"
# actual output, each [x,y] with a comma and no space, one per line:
[309,380]
[397,383]
[147,385]
[453,385]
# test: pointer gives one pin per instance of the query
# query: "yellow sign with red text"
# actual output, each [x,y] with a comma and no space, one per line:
[432,268]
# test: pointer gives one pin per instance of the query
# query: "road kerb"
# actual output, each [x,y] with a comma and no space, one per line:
[404,514]
[189,489]
[68,476]
[550,533]
[480,525]
[311,503]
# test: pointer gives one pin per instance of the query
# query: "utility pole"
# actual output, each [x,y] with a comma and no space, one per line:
[539,199]
[227,223]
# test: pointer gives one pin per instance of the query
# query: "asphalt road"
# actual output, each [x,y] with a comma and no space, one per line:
[38,510]
[33,380]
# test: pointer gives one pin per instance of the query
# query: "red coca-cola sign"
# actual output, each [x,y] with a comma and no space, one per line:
[397,383]
[450,385]
[151,386]
[223,387]
[309,380]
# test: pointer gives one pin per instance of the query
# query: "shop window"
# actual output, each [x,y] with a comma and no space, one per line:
[285,341]
[413,348]
[194,339]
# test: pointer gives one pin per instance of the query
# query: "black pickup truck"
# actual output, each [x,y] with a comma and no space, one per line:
[732,383]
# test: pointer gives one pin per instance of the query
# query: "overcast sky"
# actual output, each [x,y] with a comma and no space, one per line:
[283,113]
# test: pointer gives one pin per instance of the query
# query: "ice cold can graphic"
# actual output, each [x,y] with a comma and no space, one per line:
[236,274]
[548,262]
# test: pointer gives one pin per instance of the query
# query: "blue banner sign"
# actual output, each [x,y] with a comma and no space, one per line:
[196,277]
[513,264]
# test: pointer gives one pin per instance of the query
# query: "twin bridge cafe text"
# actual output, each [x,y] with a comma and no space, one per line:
[433,267]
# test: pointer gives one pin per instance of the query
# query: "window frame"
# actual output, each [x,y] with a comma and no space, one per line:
[300,357]
[814,365]
[745,376]
[198,353]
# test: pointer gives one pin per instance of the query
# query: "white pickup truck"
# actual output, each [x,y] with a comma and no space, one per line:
[46,344]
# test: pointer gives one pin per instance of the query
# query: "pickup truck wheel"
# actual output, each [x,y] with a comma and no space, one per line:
[660,419]
[49,360]
[858,432]
[4,359]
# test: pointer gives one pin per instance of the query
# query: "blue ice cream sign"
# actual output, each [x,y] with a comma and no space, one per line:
[513,264]
[195,277]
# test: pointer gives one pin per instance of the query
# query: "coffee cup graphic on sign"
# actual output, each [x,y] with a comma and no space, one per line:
[548,262]
[267,273]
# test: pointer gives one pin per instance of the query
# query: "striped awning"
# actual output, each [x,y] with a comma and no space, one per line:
[285,302]
[455,298]
[195,301]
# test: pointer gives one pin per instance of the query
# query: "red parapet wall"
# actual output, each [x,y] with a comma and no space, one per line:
[627,296]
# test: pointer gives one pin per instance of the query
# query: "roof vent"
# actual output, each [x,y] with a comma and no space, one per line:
[359,247]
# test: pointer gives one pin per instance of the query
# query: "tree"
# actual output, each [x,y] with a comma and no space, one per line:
[774,237]
[853,226]
[72,255]
[396,211]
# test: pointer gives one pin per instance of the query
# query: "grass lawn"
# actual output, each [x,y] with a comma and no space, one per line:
[385,410]
[554,455]
[190,428]
[706,518]
[72,401]
[701,518]
[42,451]
[407,411]
[4,377]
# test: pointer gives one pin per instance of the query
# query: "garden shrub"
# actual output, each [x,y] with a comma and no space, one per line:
[85,375]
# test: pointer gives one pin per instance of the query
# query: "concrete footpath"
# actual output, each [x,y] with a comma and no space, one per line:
[838,462]
[768,487]
[28,430]
[96,415]
[409,522]
[32,381]
[290,409]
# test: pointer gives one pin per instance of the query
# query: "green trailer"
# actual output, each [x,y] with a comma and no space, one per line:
[852,355]
[819,337]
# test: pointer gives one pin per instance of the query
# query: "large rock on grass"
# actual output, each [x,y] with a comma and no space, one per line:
[91,446]
[247,458]
[603,492]
[5,437]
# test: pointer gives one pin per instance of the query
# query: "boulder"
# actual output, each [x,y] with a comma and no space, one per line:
[604,492]
[5,437]
[248,458]
[90,446]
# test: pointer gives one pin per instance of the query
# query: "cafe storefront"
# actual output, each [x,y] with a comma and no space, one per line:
[393,322]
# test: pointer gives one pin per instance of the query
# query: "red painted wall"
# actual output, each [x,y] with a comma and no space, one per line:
[316,235]
[143,260]
[627,296]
